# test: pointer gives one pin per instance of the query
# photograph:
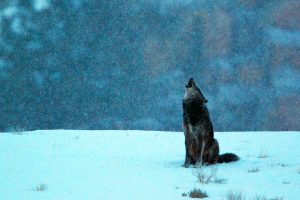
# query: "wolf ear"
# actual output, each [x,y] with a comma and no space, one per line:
[205,100]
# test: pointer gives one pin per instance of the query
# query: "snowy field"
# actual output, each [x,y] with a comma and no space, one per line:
[141,165]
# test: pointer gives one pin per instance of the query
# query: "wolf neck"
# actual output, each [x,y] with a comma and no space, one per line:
[194,110]
[191,93]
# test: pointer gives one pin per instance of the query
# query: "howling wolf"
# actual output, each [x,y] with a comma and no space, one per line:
[201,147]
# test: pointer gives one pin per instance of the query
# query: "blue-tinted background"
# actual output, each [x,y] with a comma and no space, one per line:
[98,64]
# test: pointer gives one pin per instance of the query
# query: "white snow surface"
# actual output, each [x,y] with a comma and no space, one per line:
[142,165]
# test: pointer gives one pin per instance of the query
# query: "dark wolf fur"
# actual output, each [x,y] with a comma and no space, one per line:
[201,147]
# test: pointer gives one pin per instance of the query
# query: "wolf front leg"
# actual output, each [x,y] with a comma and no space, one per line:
[188,157]
[188,161]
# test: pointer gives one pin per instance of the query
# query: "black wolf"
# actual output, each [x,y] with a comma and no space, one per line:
[201,147]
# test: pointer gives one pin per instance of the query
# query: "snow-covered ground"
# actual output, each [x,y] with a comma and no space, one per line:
[100,165]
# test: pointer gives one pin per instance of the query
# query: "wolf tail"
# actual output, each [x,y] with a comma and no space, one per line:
[227,157]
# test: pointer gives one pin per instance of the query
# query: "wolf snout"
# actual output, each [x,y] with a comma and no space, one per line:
[190,83]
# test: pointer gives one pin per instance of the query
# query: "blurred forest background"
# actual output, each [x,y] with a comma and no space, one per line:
[97,64]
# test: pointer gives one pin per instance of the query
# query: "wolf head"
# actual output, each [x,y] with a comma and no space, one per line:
[192,91]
